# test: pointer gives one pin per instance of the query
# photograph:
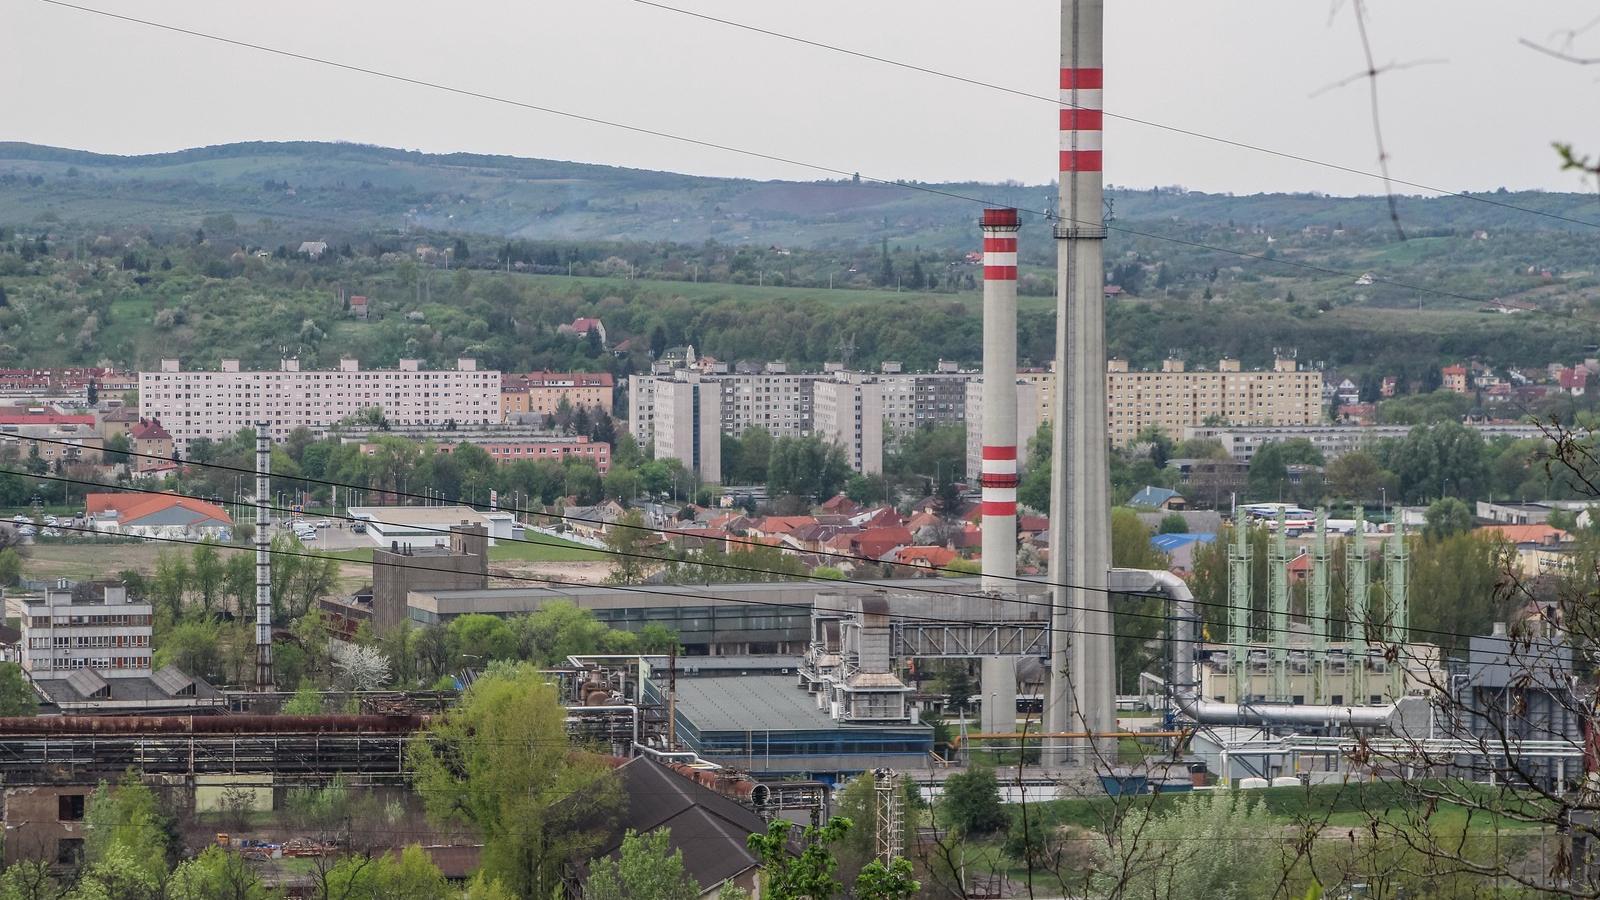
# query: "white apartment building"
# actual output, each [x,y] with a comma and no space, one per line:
[688,417]
[1031,411]
[848,411]
[774,399]
[913,400]
[103,632]
[1333,441]
[217,405]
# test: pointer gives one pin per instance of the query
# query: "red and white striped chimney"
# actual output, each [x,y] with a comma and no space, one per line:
[999,472]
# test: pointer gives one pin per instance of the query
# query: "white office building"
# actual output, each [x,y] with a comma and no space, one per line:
[88,626]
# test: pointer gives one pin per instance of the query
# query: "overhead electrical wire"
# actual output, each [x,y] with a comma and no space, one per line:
[1330,619]
[820,580]
[918,569]
[770,157]
[1056,101]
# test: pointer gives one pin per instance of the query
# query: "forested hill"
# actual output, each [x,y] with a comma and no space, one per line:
[351,188]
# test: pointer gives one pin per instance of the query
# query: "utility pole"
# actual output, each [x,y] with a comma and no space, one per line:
[890,803]
[263,558]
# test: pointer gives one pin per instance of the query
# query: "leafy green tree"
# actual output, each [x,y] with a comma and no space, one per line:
[1269,476]
[806,467]
[1206,845]
[892,882]
[646,869]
[307,701]
[17,697]
[208,573]
[171,582]
[1172,523]
[810,876]
[10,567]
[1034,492]
[626,539]
[971,802]
[1358,478]
[217,874]
[126,819]
[1434,461]
[300,578]
[120,874]
[1458,587]
[193,645]
[501,761]
[1446,517]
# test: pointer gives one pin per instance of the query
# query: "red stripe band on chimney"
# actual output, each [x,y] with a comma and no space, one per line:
[999,453]
[999,273]
[999,508]
[1082,119]
[999,245]
[1088,79]
[999,480]
[1080,160]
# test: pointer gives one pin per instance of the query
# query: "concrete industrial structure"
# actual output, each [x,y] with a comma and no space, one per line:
[217,405]
[848,413]
[1080,504]
[402,568]
[1177,397]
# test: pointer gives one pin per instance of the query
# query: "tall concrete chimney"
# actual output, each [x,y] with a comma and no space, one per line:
[263,557]
[1082,692]
[999,472]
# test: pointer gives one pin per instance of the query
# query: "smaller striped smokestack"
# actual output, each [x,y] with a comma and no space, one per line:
[999,472]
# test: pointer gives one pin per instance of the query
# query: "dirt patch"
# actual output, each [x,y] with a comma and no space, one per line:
[523,574]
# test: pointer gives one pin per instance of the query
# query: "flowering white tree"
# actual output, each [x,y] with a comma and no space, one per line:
[360,668]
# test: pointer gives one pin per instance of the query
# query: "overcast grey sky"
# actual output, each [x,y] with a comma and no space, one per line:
[1243,69]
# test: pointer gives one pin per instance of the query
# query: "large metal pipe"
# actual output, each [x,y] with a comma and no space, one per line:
[220,724]
[999,469]
[1080,503]
[1183,683]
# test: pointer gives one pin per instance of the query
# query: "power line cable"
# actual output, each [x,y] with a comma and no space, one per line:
[612,552]
[770,157]
[1056,101]
[822,580]
[1266,628]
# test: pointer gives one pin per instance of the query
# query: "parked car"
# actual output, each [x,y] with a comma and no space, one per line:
[322,523]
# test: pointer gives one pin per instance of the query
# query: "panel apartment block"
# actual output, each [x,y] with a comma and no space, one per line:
[217,405]
[1176,398]
[848,412]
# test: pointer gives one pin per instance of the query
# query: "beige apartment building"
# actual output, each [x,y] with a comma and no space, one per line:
[540,393]
[1176,398]
[216,405]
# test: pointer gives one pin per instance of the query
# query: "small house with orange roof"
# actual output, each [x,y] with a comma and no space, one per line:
[839,504]
[1530,541]
[922,557]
